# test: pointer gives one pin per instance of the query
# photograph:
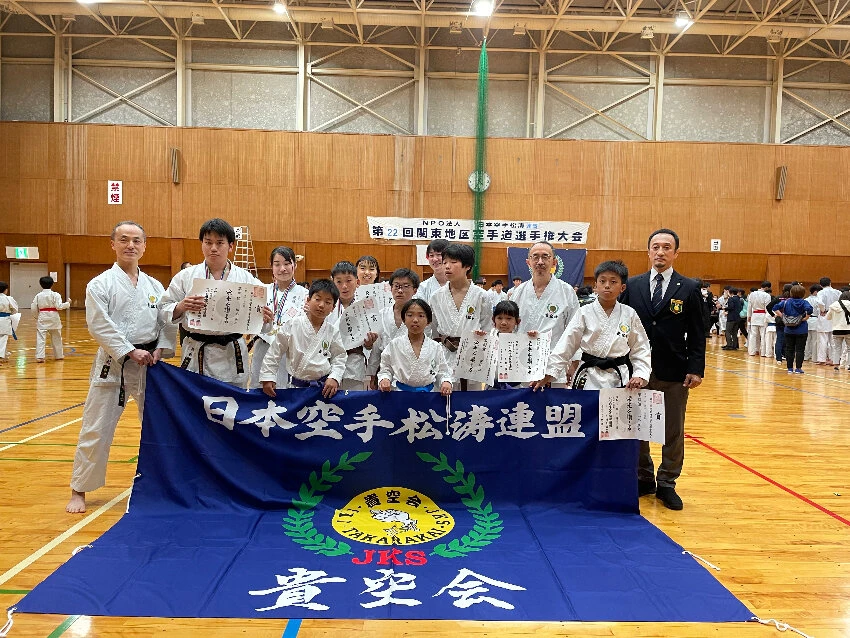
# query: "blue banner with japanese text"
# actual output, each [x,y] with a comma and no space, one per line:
[499,505]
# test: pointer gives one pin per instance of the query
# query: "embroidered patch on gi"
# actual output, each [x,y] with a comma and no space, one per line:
[470,312]
[551,311]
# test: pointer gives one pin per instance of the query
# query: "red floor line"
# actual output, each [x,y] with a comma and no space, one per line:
[770,480]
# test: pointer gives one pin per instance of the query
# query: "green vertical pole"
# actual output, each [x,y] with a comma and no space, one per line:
[480,160]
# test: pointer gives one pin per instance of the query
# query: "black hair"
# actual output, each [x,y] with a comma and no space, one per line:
[664,231]
[727,287]
[497,282]
[324,285]
[542,241]
[584,291]
[460,252]
[416,301]
[615,266]
[46,282]
[3,287]
[480,281]
[436,246]
[815,288]
[825,281]
[219,227]
[515,278]
[371,260]
[765,284]
[343,268]
[405,273]
[845,288]
[753,289]
[127,223]
[284,251]
[786,288]
[185,265]
[506,307]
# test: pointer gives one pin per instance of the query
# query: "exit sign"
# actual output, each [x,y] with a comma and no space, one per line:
[21,252]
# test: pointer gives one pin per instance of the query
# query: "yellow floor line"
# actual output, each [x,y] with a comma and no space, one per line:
[35,436]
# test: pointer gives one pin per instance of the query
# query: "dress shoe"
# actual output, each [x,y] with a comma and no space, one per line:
[646,487]
[668,496]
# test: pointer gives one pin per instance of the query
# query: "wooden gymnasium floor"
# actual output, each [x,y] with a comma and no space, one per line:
[766,489]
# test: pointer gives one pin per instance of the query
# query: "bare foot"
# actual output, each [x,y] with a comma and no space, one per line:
[77,504]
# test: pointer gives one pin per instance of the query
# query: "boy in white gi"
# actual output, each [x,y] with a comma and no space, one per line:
[123,313]
[497,293]
[757,318]
[614,346]
[403,283]
[459,307]
[412,362]
[8,307]
[286,300]
[344,275]
[546,303]
[434,255]
[220,355]
[315,356]
[46,306]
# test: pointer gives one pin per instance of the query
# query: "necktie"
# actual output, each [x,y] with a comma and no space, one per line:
[656,292]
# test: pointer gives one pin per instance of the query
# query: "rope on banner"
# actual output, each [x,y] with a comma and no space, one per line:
[702,560]
[781,626]
[77,550]
[4,631]
[448,413]
[129,498]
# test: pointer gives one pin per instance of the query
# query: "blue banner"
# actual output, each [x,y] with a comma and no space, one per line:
[503,506]
[569,265]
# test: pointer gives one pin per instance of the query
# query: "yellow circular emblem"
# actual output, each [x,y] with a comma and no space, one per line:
[392,516]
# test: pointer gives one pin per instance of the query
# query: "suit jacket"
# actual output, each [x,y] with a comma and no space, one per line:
[676,332]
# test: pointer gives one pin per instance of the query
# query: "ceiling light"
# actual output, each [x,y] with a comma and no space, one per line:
[683,19]
[197,18]
[327,23]
[775,36]
[647,33]
[69,17]
[483,8]
[279,8]
[519,29]
[86,1]
[455,27]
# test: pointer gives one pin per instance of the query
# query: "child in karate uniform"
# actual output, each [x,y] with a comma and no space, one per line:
[46,305]
[8,307]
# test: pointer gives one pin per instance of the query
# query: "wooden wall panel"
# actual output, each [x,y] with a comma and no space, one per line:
[437,161]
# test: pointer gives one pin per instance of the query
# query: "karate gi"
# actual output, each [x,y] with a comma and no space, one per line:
[757,319]
[722,300]
[814,347]
[591,331]
[285,304]
[46,305]
[387,332]
[496,297]
[475,313]
[827,297]
[219,361]
[309,354]
[118,315]
[354,377]
[550,313]
[399,364]
[427,288]
[839,315]
[8,307]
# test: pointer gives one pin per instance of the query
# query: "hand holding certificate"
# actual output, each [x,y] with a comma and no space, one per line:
[630,414]
[230,307]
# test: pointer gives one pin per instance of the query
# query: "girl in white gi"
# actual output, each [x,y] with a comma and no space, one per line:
[8,307]
[310,342]
[412,362]
[459,307]
[220,355]
[46,305]
[286,300]
[124,317]
[506,320]
[615,348]
[403,283]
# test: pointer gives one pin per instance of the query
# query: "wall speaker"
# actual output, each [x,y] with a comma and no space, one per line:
[781,178]
[175,166]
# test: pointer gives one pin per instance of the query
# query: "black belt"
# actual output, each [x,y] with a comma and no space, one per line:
[104,371]
[603,363]
[303,383]
[451,343]
[357,350]
[218,340]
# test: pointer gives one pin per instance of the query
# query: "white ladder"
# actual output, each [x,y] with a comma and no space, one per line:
[244,255]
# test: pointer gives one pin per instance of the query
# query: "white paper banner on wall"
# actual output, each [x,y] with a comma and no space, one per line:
[495,230]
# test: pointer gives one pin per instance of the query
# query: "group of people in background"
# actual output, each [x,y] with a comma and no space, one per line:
[791,328]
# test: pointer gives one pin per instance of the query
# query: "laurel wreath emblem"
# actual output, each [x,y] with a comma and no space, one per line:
[488,525]
[299,520]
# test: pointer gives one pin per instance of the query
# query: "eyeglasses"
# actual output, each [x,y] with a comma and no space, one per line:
[402,287]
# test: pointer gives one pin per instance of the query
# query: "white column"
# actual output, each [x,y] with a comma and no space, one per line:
[776,101]
[180,67]
[421,105]
[301,92]
[541,95]
[659,97]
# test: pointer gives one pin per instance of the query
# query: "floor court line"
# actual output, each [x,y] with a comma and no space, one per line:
[293,625]
[42,417]
[781,385]
[65,626]
[35,436]
[771,366]
[29,560]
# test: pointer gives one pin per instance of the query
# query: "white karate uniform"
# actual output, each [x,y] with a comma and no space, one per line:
[841,321]
[118,315]
[769,343]
[309,354]
[496,297]
[354,377]
[827,297]
[757,319]
[292,306]
[399,363]
[475,313]
[550,313]
[427,288]
[219,361]
[814,346]
[48,322]
[10,306]
[387,331]
[606,336]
